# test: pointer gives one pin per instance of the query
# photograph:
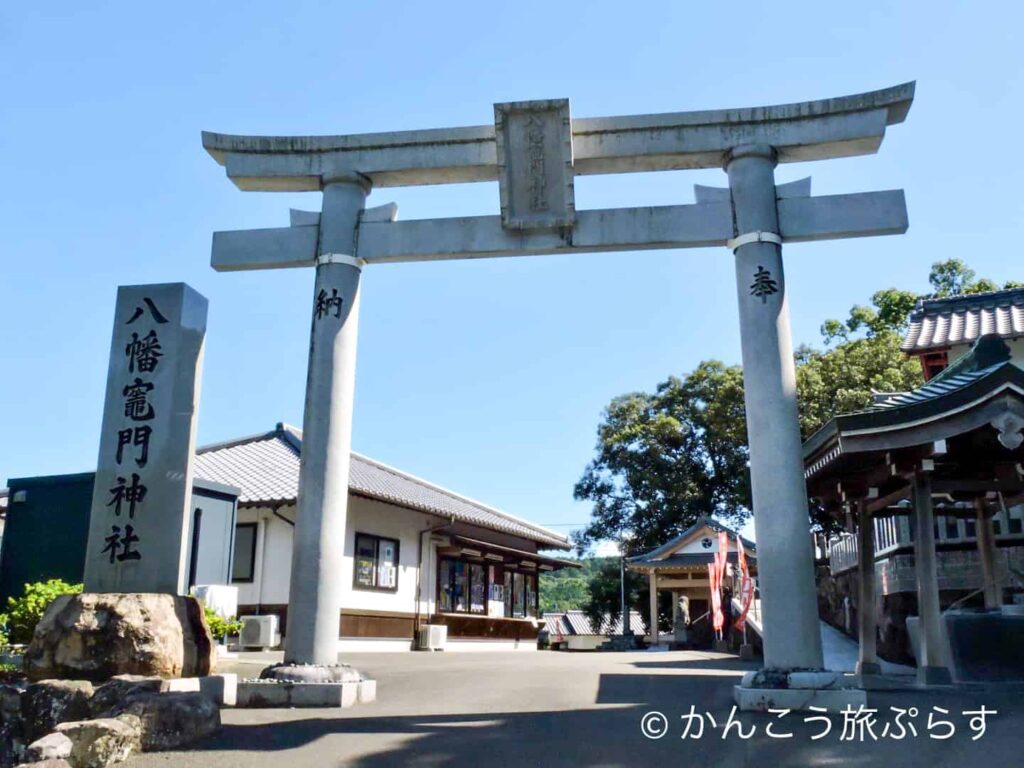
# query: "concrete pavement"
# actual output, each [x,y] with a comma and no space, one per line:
[579,709]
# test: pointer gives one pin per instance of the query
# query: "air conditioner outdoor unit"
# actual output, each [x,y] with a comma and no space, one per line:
[259,632]
[433,637]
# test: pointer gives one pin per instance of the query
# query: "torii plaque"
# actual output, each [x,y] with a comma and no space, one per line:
[534,150]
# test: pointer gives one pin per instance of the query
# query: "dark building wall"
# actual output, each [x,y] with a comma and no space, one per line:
[45,535]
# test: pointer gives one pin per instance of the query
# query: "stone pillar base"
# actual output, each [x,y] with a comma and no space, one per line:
[869,668]
[934,676]
[306,685]
[798,690]
[798,699]
[746,652]
[288,672]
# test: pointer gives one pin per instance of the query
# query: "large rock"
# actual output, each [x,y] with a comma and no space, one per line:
[99,743]
[171,720]
[12,728]
[116,691]
[10,702]
[96,636]
[51,763]
[49,702]
[53,746]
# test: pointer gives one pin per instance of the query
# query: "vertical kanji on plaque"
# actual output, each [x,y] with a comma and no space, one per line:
[142,492]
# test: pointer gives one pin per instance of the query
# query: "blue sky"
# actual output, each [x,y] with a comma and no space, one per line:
[488,377]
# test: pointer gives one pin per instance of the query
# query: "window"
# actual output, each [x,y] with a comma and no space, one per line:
[1013,521]
[243,566]
[376,563]
[478,590]
[518,595]
[462,586]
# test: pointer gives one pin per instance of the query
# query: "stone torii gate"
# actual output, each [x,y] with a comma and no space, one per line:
[534,150]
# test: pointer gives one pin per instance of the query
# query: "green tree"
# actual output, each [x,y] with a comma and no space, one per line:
[891,307]
[665,459]
[606,598]
[566,589]
[842,379]
[953,278]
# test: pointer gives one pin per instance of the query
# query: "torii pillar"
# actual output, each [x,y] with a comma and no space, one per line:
[314,593]
[791,634]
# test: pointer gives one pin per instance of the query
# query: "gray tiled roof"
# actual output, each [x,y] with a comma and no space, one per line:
[266,469]
[931,390]
[689,560]
[940,323]
[578,623]
[668,546]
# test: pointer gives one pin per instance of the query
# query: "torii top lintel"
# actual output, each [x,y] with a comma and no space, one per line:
[809,130]
[535,150]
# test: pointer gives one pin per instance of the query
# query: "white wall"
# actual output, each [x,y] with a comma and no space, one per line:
[380,519]
[273,562]
[1016,351]
[272,568]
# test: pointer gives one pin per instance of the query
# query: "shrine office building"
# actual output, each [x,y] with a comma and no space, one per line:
[416,554]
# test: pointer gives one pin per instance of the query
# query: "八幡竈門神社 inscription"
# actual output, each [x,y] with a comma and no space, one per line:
[141,495]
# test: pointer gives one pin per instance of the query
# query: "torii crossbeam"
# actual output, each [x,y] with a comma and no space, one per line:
[534,150]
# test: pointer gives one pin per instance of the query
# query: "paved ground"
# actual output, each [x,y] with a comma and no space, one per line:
[579,709]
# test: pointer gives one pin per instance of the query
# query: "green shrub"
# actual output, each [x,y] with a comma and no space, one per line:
[219,626]
[23,613]
[10,673]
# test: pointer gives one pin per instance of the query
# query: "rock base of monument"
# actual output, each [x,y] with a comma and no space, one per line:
[96,636]
[306,685]
[797,690]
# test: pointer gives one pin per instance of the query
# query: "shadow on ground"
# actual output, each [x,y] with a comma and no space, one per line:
[611,735]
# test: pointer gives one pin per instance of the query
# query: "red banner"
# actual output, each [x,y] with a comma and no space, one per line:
[746,586]
[723,555]
[717,617]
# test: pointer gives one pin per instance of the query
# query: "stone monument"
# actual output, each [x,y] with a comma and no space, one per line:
[141,498]
[534,150]
[133,616]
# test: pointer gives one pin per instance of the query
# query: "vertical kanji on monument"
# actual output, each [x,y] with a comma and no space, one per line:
[141,497]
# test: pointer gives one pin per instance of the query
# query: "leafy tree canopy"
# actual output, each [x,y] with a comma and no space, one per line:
[567,589]
[891,307]
[666,458]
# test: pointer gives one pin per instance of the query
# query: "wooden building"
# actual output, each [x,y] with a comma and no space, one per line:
[940,464]
[680,567]
[415,553]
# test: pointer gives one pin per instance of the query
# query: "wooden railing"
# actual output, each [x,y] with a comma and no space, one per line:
[895,531]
